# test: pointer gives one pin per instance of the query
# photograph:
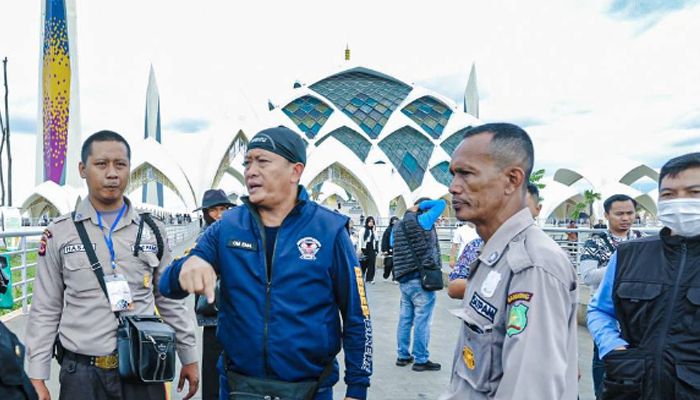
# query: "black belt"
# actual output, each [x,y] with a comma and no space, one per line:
[109,361]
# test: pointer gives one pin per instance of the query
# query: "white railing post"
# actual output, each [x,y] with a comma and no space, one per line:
[23,257]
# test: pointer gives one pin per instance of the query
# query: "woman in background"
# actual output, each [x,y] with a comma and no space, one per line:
[369,246]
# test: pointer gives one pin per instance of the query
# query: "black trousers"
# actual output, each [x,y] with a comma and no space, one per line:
[368,265]
[81,381]
[210,356]
[388,266]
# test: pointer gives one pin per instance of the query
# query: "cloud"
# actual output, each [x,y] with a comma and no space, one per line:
[688,142]
[23,125]
[689,122]
[188,125]
[641,9]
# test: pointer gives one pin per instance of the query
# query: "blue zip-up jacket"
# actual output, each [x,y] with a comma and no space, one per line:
[602,322]
[287,326]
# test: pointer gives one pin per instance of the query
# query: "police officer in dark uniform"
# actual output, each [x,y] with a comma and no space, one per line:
[14,384]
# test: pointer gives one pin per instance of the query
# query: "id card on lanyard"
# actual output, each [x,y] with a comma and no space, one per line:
[117,286]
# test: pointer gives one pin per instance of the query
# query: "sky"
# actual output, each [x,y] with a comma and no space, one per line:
[590,81]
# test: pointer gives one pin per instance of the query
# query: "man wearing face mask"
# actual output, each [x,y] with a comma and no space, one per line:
[645,318]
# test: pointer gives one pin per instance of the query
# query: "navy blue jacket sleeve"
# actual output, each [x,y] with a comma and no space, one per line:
[357,328]
[169,283]
[206,249]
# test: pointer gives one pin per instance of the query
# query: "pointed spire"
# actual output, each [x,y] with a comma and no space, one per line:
[152,107]
[347,52]
[471,94]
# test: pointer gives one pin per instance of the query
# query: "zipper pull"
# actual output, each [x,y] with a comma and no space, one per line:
[267,287]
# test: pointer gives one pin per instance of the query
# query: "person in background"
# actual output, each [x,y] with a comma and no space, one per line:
[416,230]
[388,249]
[214,204]
[620,211]
[644,317]
[369,246]
[461,236]
[572,236]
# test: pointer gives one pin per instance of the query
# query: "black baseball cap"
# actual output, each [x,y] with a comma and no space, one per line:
[281,141]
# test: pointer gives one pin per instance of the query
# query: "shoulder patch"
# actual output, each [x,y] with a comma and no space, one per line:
[517,320]
[519,296]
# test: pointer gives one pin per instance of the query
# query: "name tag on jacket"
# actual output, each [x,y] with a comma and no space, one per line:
[242,244]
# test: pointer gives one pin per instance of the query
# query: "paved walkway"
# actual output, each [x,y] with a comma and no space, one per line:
[390,382]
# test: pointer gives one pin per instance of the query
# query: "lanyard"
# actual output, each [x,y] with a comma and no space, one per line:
[108,237]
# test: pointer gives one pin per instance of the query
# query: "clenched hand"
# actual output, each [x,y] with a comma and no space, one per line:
[198,276]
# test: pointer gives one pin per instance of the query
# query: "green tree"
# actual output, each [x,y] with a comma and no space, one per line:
[536,178]
[589,197]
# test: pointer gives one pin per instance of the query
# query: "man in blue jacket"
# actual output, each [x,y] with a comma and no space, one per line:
[291,287]
[645,316]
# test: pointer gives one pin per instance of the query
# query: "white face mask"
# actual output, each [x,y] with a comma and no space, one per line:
[681,215]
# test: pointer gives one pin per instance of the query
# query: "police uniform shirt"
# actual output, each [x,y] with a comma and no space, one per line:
[518,336]
[67,296]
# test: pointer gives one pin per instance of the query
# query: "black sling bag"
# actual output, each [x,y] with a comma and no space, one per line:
[145,343]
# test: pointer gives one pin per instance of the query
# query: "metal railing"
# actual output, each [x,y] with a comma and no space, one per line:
[560,235]
[29,244]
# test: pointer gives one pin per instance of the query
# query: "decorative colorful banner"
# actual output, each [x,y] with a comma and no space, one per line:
[56,77]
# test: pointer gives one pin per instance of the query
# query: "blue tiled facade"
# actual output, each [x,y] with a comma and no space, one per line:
[369,100]
[309,114]
[451,143]
[409,151]
[441,173]
[430,114]
[352,139]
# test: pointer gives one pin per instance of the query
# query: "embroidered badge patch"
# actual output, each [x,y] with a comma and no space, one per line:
[468,357]
[308,247]
[490,283]
[147,248]
[517,320]
[76,248]
[42,247]
[519,296]
[483,307]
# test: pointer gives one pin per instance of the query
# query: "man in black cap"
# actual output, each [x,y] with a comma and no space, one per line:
[214,203]
[291,288]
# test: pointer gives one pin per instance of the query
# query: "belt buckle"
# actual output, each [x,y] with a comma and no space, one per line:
[107,362]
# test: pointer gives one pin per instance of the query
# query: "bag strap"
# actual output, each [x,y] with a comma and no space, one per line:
[146,217]
[410,245]
[95,264]
[324,374]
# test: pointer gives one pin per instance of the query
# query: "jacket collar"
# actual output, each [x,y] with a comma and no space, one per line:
[492,250]
[85,211]
[302,199]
